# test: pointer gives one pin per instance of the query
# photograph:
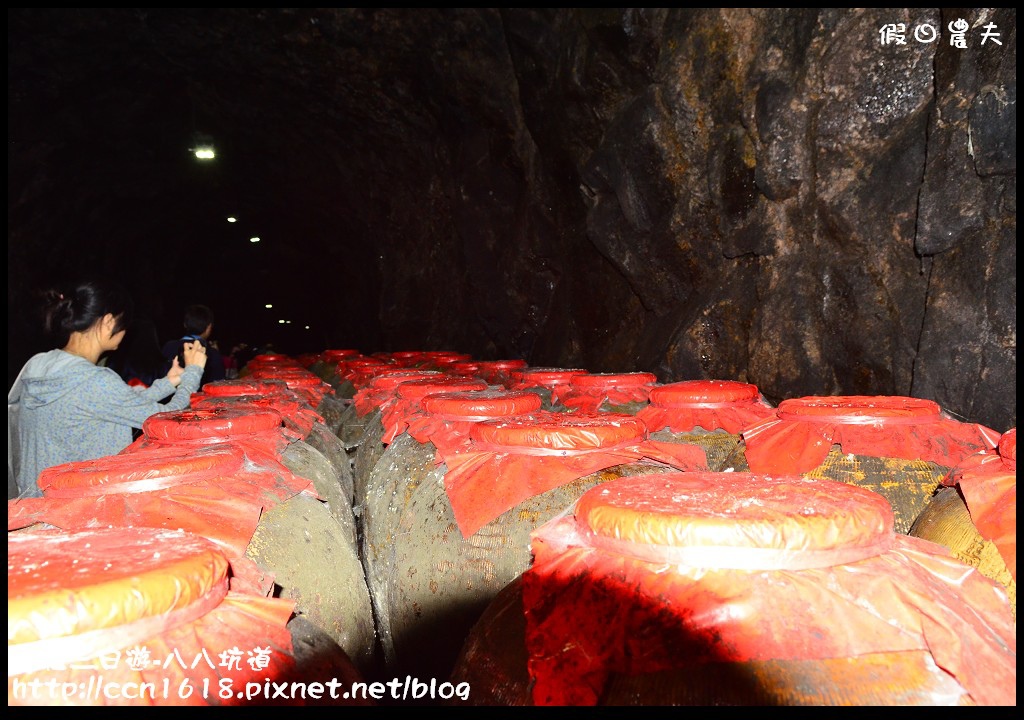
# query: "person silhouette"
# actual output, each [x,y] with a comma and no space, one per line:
[198,325]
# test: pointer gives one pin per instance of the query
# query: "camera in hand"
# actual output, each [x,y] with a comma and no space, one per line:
[181,350]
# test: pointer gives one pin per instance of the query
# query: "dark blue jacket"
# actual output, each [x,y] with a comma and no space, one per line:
[214,369]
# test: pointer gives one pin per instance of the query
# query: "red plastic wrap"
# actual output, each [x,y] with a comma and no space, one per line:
[119,608]
[445,418]
[246,386]
[498,372]
[465,367]
[427,359]
[554,379]
[372,395]
[213,423]
[988,482]
[335,356]
[361,372]
[709,404]
[803,431]
[304,383]
[397,412]
[272,360]
[261,428]
[208,490]
[546,433]
[587,392]
[154,469]
[298,417]
[443,359]
[510,460]
[675,570]
[252,428]
[477,405]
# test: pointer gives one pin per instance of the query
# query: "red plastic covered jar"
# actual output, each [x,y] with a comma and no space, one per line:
[499,372]
[210,491]
[308,385]
[709,413]
[396,414]
[900,447]
[406,464]
[298,417]
[438,549]
[371,402]
[309,544]
[549,383]
[740,589]
[246,386]
[975,514]
[136,616]
[625,393]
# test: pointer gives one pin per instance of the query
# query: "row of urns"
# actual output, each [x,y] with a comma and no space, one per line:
[538,535]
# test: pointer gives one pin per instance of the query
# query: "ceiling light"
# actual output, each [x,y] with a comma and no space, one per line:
[254,239]
[202,147]
[268,306]
[232,218]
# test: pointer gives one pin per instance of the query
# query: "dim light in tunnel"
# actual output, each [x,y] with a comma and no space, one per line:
[202,146]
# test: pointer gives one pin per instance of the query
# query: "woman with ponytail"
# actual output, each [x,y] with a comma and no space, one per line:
[64,406]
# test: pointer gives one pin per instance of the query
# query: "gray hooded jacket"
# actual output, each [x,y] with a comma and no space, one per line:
[62,409]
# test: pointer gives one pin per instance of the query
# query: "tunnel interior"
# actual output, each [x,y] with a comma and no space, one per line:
[771,196]
[778,204]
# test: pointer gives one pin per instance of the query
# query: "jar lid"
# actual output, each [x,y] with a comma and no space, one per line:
[434,354]
[246,386]
[465,366]
[701,510]
[150,466]
[391,379]
[362,362]
[482,403]
[510,364]
[270,358]
[292,378]
[860,409]
[611,380]
[336,355]
[419,389]
[561,431]
[545,377]
[202,423]
[66,584]
[687,393]
[362,373]
[284,405]
[446,361]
